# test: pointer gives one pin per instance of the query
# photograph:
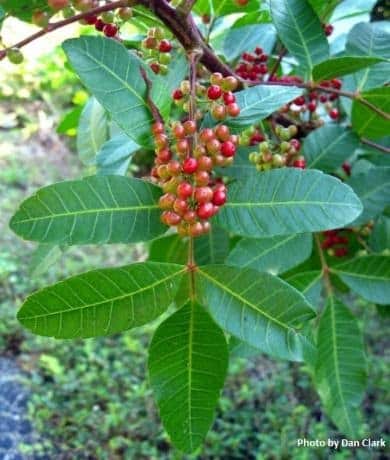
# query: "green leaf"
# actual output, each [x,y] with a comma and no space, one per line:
[212,248]
[285,201]
[44,256]
[373,188]
[92,131]
[274,255]
[257,308]
[322,7]
[240,39]
[328,147]
[369,39]
[172,248]
[97,209]
[339,66]
[309,283]
[240,349]
[224,7]
[102,302]
[258,102]
[115,155]
[341,367]
[380,237]
[367,122]
[23,9]
[300,30]
[188,360]
[241,166]
[70,121]
[112,74]
[368,276]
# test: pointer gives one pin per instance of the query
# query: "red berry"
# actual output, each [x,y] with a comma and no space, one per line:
[202,178]
[91,20]
[328,28]
[300,163]
[177,94]
[190,165]
[110,30]
[295,144]
[203,194]
[205,210]
[190,127]
[228,149]
[170,218]
[180,206]
[155,67]
[334,114]
[263,69]
[341,252]
[299,100]
[178,131]
[347,168]
[219,198]
[99,25]
[222,132]
[258,51]
[158,128]
[190,216]
[312,106]
[184,190]
[195,229]
[229,98]
[165,46]
[174,168]
[183,146]
[164,155]
[166,201]
[214,92]
[205,163]
[206,135]
[233,110]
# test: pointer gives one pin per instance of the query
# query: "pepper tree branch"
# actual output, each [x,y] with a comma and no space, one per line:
[324,266]
[182,25]
[57,25]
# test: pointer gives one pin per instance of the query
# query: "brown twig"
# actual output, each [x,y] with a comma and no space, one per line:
[57,25]
[380,147]
[275,68]
[185,7]
[152,106]
[325,267]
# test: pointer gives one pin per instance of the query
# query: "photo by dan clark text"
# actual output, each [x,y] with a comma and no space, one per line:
[337,443]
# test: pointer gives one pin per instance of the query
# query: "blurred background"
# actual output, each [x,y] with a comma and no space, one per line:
[91,399]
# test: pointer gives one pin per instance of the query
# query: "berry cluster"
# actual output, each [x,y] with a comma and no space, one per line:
[252,136]
[157,50]
[336,243]
[218,97]
[108,22]
[312,101]
[253,66]
[282,152]
[184,166]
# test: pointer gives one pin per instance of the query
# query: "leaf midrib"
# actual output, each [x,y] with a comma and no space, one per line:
[336,361]
[287,203]
[87,211]
[113,299]
[245,301]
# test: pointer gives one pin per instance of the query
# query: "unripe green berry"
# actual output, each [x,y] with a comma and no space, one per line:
[15,56]
[263,146]
[108,17]
[164,58]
